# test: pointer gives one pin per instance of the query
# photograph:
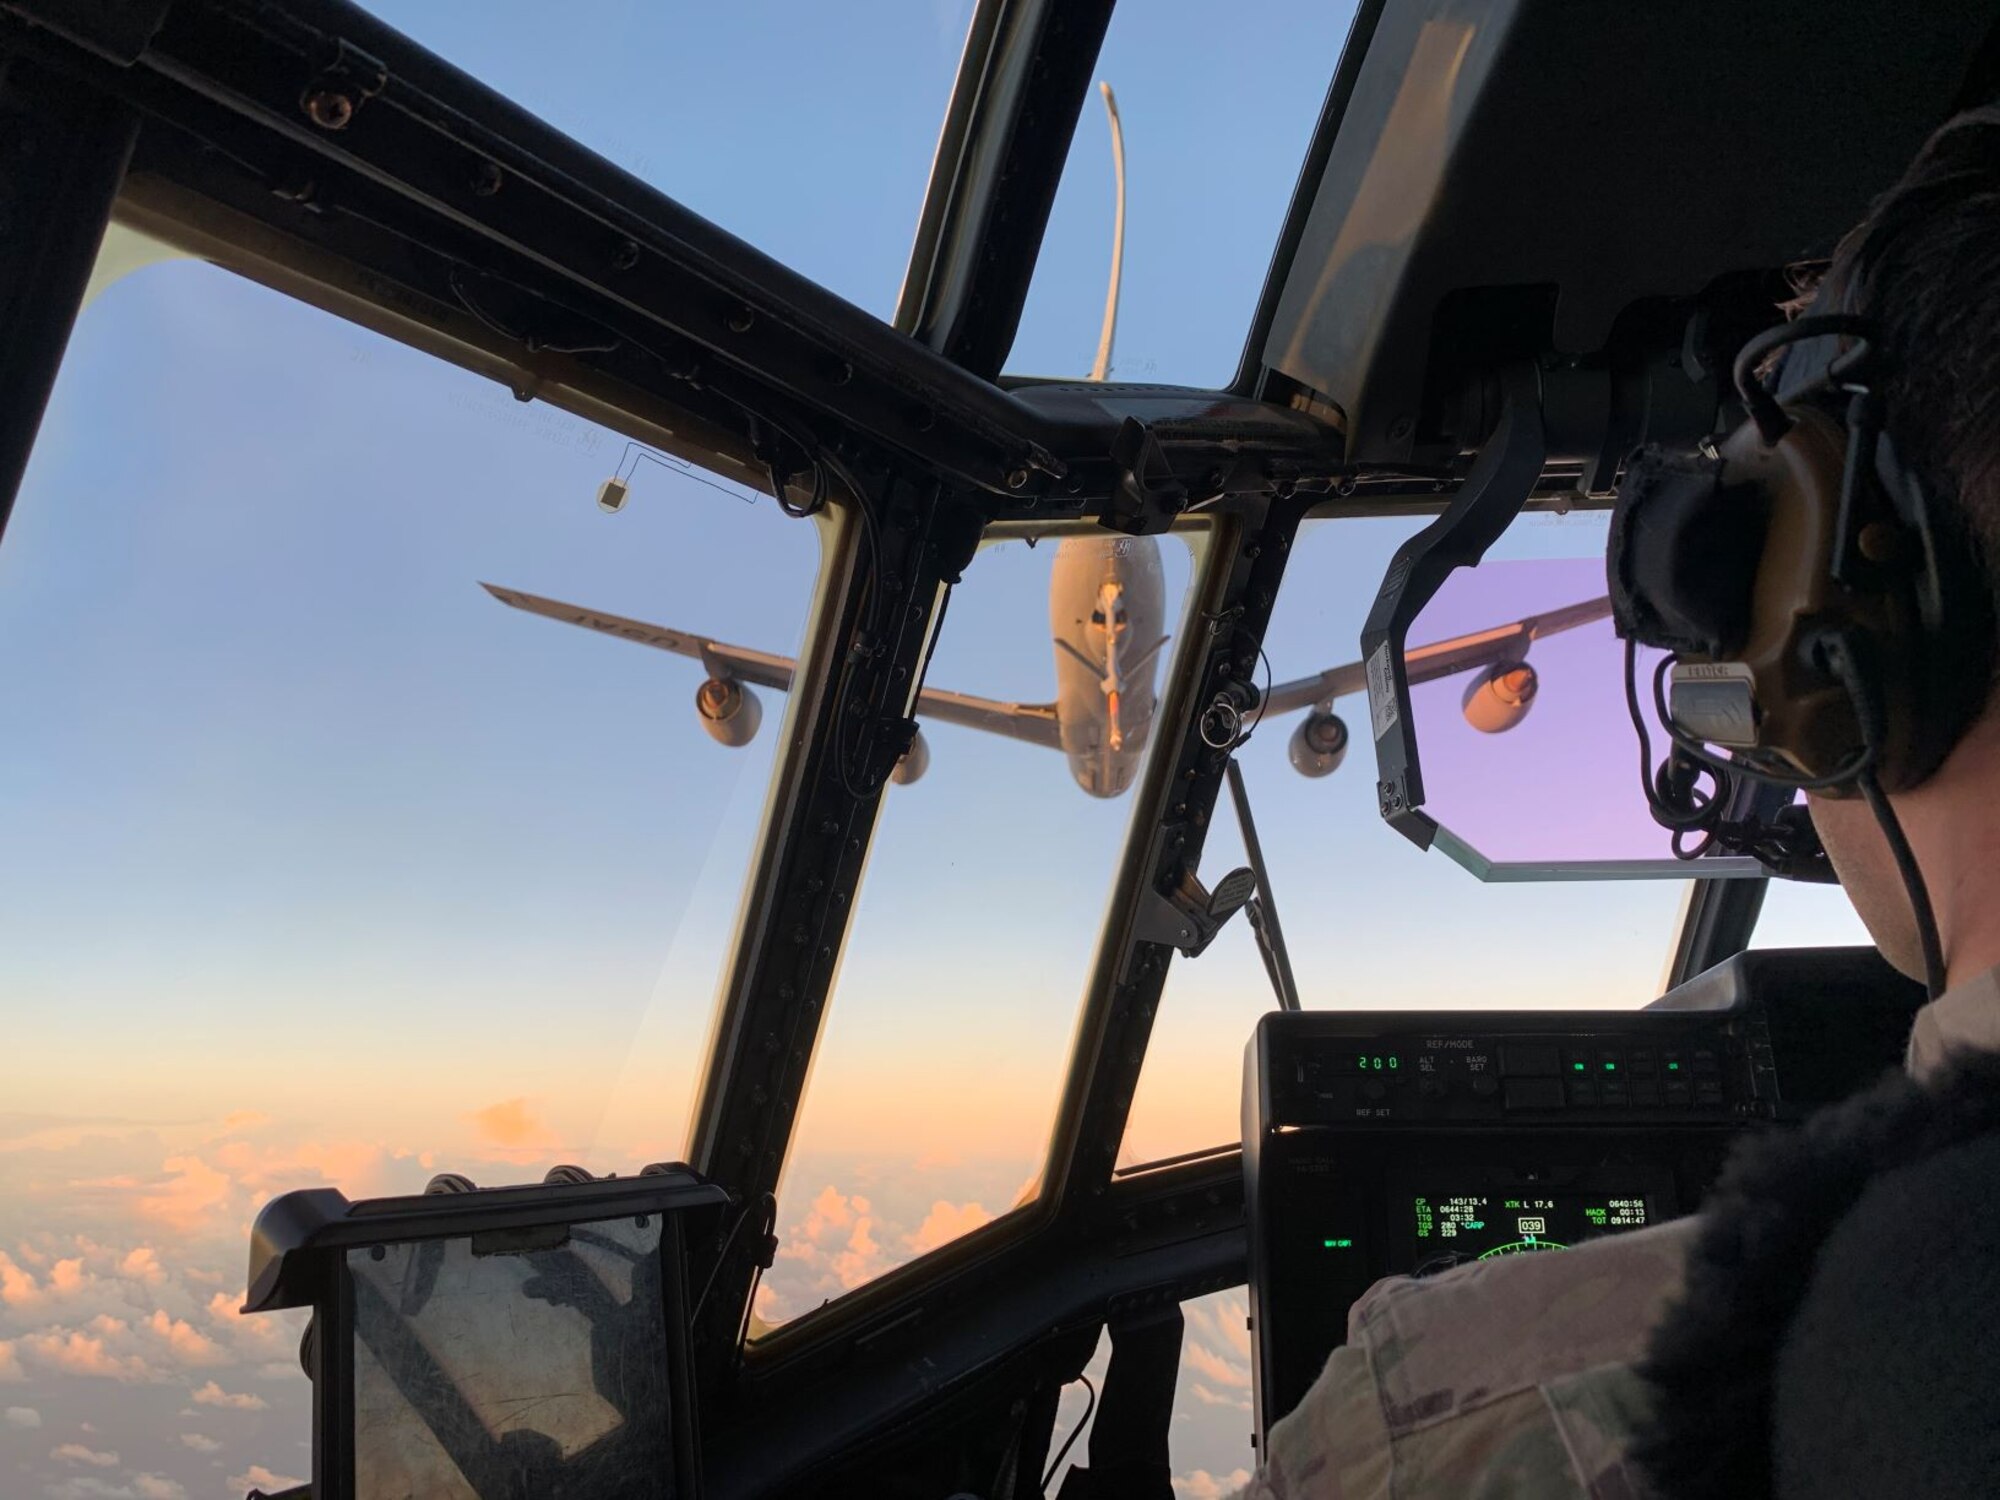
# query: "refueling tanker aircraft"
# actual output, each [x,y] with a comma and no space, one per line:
[1107,607]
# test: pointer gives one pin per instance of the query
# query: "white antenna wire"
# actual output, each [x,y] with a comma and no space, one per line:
[1102,368]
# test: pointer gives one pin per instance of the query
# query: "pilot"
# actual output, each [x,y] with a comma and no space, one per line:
[1812,1331]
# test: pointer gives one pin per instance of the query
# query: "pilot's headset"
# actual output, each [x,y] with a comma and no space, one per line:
[1828,621]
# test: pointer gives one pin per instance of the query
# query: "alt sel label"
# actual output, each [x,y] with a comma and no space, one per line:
[1381,691]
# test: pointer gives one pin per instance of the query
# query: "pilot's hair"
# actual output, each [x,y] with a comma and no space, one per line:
[1834,1335]
[1925,264]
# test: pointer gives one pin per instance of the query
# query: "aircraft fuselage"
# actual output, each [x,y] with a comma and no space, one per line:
[1107,614]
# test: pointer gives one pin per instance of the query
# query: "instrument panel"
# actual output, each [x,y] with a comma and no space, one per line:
[1381,1143]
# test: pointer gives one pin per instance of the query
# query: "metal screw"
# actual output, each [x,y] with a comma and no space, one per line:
[1401,428]
[1016,478]
[626,257]
[486,180]
[1881,543]
[329,109]
[741,319]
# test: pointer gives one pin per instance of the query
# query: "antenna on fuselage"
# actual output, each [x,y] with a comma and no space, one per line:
[1101,369]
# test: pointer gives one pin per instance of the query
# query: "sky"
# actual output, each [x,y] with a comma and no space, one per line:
[318,866]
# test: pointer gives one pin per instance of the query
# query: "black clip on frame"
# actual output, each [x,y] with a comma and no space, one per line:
[1501,480]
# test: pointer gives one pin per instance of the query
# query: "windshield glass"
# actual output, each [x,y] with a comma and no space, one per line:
[804,130]
[323,866]
[935,1080]
[1206,97]
[1371,921]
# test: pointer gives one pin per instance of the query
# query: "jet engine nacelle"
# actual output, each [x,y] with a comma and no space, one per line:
[916,760]
[729,711]
[1500,697]
[1319,744]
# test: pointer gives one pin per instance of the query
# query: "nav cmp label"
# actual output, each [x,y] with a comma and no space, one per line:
[1381,691]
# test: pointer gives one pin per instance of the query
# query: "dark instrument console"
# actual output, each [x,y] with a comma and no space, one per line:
[1379,1143]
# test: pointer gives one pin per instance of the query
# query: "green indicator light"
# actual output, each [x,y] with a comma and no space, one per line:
[1475,1223]
[1673,1067]
[1611,1067]
[1577,1066]
[1340,1244]
[1394,1063]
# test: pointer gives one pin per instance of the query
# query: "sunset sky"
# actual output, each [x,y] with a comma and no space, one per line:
[321,867]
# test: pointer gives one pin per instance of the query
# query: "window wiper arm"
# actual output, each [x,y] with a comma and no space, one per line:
[1263,908]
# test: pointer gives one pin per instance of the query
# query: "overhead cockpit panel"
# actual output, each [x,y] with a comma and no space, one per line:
[1487,188]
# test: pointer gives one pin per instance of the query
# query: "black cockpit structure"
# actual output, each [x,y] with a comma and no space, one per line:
[1527,237]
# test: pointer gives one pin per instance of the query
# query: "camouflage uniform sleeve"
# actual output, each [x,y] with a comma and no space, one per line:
[1510,1377]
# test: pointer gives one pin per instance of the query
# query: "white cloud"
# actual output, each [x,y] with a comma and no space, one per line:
[261,1478]
[212,1394]
[10,1363]
[184,1342]
[158,1487]
[1209,1397]
[946,1222]
[1202,1485]
[199,1443]
[143,1265]
[23,1416]
[75,1352]
[17,1284]
[1217,1370]
[76,1453]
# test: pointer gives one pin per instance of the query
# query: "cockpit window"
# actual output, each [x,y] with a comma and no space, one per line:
[805,130]
[1797,915]
[1370,920]
[943,1051]
[324,864]
[1200,100]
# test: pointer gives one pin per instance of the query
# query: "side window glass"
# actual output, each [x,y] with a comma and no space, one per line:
[1208,1442]
[1798,915]
[322,865]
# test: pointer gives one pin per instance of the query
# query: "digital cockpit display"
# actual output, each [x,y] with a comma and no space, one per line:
[1451,1229]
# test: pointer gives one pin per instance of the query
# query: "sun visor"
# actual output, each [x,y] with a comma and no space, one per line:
[1530,761]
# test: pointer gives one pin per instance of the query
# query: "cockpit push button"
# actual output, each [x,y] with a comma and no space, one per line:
[1534,1093]
[1529,1060]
